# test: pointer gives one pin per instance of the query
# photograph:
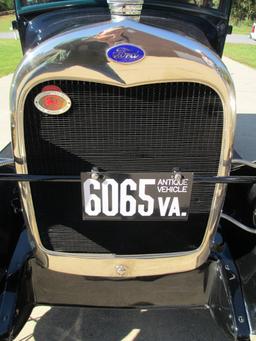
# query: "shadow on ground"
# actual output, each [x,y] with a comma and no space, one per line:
[74,324]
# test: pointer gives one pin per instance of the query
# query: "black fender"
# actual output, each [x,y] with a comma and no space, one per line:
[11,220]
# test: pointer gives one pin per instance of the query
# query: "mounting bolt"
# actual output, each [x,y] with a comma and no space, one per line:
[177,175]
[95,173]
[227,267]
[241,319]
[121,270]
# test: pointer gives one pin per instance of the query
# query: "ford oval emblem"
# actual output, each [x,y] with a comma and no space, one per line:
[125,53]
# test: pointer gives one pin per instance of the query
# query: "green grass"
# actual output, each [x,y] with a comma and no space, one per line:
[6,22]
[242,53]
[244,27]
[10,56]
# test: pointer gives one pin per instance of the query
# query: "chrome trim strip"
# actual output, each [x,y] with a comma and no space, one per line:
[80,55]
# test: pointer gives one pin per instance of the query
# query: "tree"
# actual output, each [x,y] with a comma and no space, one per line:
[244,10]
[6,5]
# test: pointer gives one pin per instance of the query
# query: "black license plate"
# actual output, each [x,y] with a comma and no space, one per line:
[136,196]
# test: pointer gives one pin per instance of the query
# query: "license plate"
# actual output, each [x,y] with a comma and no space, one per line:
[136,196]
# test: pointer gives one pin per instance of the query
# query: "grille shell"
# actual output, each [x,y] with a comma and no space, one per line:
[154,127]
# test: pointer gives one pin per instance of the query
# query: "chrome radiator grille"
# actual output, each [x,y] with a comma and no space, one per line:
[148,128]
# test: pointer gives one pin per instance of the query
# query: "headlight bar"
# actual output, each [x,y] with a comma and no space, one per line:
[233,179]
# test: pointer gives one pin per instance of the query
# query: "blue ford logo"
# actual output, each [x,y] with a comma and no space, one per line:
[125,53]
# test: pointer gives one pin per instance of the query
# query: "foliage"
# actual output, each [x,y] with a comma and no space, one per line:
[242,53]
[244,10]
[6,5]
[10,56]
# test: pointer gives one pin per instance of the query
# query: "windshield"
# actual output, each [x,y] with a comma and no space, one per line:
[210,5]
[200,3]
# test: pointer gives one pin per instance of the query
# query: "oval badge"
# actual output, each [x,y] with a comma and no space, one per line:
[125,53]
[52,102]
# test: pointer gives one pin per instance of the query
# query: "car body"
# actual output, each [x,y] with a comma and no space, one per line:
[253,32]
[123,123]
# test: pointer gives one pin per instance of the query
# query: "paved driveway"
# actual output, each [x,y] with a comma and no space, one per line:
[5,135]
[50,324]
[240,39]
[83,324]
[8,35]
[245,83]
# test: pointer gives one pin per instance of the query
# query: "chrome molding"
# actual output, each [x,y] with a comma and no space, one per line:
[80,55]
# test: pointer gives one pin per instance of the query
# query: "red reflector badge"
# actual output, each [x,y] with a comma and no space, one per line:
[52,102]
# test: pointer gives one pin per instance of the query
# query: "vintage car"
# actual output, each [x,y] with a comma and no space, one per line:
[122,187]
